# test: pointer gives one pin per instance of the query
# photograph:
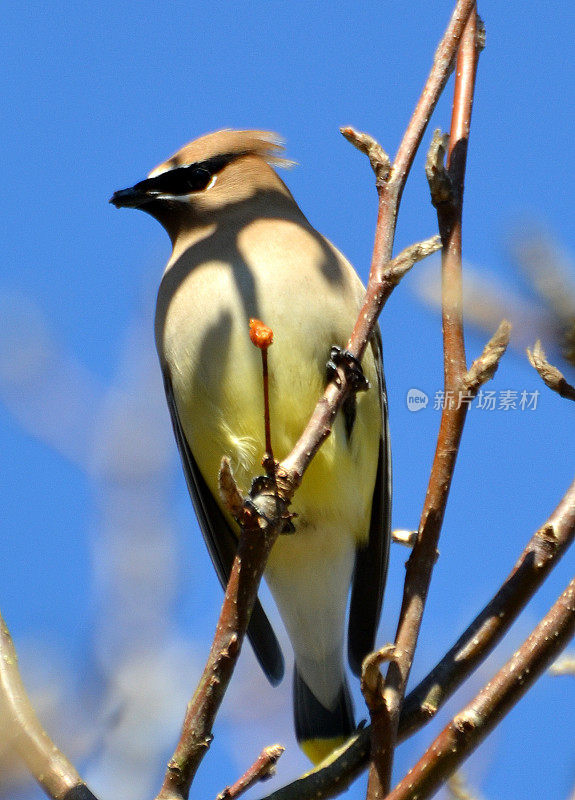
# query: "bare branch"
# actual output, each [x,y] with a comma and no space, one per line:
[440,184]
[264,767]
[251,557]
[378,158]
[542,553]
[468,728]
[292,468]
[391,191]
[55,774]
[402,263]
[256,540]
[484,368]
[549,374]
[422,559]
[443,62]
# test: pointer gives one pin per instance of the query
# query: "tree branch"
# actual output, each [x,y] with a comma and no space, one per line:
[470,727]
[251,558]
[423,557]
[391,190]
[292,468]
[542,553]
[255,542]
[264,767]
[55,774]
[485,367]
[550,375]
[261,524]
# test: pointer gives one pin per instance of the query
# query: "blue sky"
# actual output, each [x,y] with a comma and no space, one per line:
[103,568]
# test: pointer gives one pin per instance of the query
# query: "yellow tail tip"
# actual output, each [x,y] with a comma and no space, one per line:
[318,749]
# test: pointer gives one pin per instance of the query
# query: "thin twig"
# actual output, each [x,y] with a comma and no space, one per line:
[378,158]
[371,678]
[255,543]
[294,465]
[485,366]
[423,557]
[470,727]
[251,558]
[264,767]
[543,551]
[390,196]
[267,424]
[55,774]
[550,375]
[261,525]
[372,687]
[262,337]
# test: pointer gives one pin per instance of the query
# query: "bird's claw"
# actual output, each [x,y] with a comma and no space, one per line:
[339,357]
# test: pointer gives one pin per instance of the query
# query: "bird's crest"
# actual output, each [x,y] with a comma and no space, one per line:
[265,144]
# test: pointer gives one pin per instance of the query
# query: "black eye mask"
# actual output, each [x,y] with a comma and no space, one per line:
[184,180]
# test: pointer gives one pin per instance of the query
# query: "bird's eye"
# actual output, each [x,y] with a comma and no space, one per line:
[198,178]
[178,181]
[185,180]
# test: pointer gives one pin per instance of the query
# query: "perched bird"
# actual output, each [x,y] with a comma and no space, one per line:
[241,249]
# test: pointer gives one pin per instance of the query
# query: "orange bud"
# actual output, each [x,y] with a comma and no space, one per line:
[260,334]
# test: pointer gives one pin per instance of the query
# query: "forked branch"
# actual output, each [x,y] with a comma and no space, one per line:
[263,768]
[468,728]
[258,534]
[543,551]
[250,560]
[53,771]
[550,375]
[422,559]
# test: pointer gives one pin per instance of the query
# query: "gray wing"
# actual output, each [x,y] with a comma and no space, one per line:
[371,560]
[222,544]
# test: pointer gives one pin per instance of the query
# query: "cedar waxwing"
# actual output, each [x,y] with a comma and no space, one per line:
[241,249]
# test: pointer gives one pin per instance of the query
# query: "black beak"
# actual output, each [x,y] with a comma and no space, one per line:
[129,198]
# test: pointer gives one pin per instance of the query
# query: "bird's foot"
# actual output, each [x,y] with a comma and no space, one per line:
[339,357]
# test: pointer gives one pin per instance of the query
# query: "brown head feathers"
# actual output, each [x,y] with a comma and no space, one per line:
[229,143]
[211,176]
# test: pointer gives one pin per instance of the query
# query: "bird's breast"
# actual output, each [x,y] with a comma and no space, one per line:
[202,331]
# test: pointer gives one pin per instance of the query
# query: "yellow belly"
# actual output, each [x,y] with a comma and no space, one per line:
[217,380]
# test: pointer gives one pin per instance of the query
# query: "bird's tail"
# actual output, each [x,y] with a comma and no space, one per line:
[319,730]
